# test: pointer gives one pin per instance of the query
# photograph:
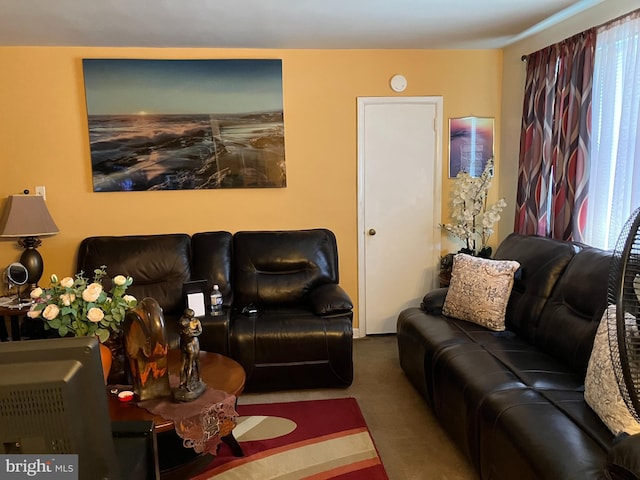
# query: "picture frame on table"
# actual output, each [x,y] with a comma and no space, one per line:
[195,296]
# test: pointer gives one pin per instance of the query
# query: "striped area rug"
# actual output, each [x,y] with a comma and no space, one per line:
[314,440]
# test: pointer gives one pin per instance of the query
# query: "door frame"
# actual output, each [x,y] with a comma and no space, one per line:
[361,331]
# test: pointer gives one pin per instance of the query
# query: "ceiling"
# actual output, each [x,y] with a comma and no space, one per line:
[279,24]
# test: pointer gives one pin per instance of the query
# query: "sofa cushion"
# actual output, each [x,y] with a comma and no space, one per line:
[601,389]
[542,262]
[282,267]
[420,337]
[159,264]
[287,347]
[479,290]
[212,261]
[463,374]
[570,318]
[529,434]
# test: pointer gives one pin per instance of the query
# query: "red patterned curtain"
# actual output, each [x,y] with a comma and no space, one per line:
[554,142]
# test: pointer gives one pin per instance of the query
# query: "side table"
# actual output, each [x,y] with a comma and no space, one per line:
[176,461]
[14,317]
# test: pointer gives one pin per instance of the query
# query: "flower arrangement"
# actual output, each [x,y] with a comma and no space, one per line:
[75,306]
[473,221]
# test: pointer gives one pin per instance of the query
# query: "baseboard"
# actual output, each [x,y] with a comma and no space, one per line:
[358,334]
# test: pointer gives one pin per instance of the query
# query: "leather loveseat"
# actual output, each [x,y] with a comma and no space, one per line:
[301,333]
[513,401]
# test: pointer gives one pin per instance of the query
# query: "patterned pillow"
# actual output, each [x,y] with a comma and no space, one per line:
[479,290]
[601,390]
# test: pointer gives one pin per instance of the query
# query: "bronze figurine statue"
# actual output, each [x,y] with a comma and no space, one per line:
[191,385]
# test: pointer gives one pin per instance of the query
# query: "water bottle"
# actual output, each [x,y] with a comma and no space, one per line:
[216,301]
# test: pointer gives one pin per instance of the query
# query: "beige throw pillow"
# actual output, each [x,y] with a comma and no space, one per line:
[601,389]
[479,290]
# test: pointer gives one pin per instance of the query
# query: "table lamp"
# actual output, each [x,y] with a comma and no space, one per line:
[26,217]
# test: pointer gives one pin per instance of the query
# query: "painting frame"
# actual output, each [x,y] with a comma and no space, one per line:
[471,144]
[185,124]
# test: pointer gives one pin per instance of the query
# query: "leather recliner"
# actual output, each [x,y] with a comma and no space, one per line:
[301,334]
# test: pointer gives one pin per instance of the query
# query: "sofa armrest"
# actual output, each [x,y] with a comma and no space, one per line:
[434,301]
[330,299]
[215,332]
[624,458]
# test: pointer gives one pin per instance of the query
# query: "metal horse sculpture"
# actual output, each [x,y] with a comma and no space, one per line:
[146,345]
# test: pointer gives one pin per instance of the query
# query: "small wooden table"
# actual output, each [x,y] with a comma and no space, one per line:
[14,315]
[217,371]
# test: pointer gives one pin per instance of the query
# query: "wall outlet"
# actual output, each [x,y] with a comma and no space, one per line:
[41,191]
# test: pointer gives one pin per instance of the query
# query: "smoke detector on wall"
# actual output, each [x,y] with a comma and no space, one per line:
[398,83]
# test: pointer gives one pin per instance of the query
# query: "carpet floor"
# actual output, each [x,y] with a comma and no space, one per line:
[312,439]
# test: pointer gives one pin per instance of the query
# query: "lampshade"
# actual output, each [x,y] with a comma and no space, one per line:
[26,216]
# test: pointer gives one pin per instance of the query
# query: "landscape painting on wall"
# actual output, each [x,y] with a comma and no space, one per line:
[185,124]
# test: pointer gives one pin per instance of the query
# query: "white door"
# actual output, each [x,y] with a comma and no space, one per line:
[399,174]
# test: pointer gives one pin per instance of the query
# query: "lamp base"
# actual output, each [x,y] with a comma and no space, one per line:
[32,260]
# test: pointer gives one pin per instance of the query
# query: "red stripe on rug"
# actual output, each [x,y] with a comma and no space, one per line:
[341,472]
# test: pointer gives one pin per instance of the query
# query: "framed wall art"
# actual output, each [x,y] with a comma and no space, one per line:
[185,124]
[470,145]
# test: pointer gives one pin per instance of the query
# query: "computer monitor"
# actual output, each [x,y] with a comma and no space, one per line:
[53,401]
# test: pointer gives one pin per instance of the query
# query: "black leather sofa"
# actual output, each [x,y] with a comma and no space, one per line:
[301,335]
[513,401]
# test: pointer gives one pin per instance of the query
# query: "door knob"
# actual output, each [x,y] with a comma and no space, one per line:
[372,231]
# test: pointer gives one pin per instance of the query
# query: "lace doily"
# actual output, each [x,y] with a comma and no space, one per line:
[200,423]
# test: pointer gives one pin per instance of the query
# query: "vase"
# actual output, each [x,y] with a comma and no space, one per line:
[145,338]
[118,373]
[107,358]
[484,252]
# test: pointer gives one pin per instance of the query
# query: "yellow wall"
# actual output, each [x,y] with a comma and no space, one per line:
[44,141]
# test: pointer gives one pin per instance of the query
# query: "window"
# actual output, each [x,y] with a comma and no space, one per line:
[615,138]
